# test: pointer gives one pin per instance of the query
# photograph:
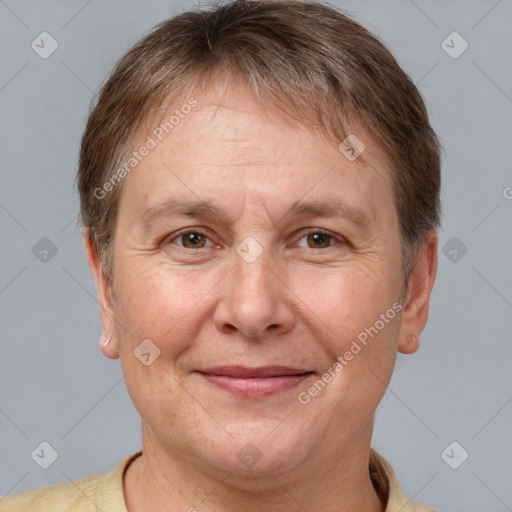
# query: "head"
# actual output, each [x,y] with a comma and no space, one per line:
[258,117]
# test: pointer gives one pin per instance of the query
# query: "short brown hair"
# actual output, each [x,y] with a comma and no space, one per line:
[307,56]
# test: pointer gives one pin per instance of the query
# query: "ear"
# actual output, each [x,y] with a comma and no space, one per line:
[104,288]
[416,304]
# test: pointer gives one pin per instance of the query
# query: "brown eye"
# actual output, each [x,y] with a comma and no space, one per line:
[319,240]
[192,240]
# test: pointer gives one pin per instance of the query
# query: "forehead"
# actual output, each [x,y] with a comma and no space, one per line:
[226,140]
[229,111]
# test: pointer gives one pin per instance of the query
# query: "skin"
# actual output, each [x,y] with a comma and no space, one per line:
[301,303]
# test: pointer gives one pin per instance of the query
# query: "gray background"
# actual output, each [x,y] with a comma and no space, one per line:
[56,386]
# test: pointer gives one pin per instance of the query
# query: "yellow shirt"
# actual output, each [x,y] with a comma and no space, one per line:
[105,492]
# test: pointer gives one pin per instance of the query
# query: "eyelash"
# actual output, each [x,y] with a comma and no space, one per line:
[201,232]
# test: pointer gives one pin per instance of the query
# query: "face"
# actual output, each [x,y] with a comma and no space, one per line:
[263,266]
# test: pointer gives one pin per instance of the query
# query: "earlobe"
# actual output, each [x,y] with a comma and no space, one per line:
[109,348]
[412,343]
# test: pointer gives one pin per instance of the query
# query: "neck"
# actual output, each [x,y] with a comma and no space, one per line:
[168,481]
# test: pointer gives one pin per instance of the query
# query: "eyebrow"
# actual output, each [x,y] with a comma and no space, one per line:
[197,208]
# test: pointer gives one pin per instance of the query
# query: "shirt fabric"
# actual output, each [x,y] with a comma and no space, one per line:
[105,492]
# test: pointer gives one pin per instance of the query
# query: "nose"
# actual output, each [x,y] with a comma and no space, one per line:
[255,300]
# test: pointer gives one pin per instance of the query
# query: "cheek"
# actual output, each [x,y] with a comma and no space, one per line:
[362,320]
[151,305]
[139,304]
[346,302]
[360,316]
[157,303]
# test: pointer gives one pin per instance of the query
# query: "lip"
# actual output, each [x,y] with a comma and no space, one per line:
[255,382]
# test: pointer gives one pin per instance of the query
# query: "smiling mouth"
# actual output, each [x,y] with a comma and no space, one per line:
[255,382]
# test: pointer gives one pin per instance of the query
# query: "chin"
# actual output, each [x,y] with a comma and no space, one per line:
[257,449]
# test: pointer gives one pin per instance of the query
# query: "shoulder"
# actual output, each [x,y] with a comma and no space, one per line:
[89,494]
[387,486]
[78,496]
[419,507]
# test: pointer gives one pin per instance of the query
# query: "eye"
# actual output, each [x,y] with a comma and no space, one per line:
[319,239]
[191,239]
[197,239]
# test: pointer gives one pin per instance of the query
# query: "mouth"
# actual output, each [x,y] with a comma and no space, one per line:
[255,382]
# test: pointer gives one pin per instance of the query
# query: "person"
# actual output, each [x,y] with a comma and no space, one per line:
[259,188]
